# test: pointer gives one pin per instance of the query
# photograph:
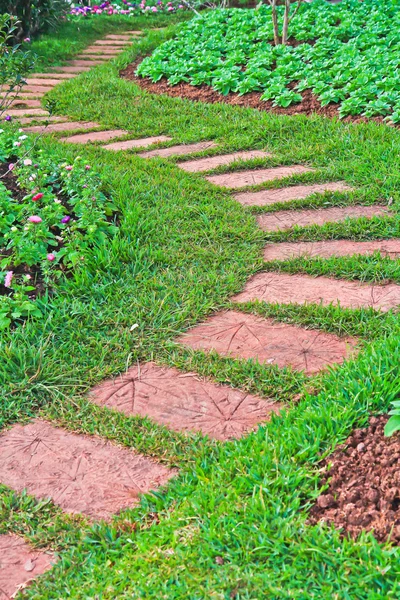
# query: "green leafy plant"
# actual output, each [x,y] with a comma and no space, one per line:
[393,424]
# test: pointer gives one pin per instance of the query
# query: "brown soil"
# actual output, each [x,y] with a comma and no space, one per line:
[364,485]
[204,93]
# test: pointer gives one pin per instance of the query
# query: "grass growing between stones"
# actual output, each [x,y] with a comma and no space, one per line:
[233,523]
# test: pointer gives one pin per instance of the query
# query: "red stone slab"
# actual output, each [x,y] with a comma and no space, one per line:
[117,43]
[85,64]
[22,102]
[20,564]
[254,177]
[52,75]
[206,164]
[286,219]
[74,69]
[141,143]
[138,32]
[295,192]
[118,37]
[67,126]
[80,473]
[26,112]
[94,136]
[101,50]
[26,120]
[46,82]
[184,401]
[304,289]
[247,336]
[325,249]
[178,150]
[37,89]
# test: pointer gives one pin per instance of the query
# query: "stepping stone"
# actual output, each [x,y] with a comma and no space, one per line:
[43,82]
[26,120]
[117,43]
[53,75]
[74,69]
[19,564]
[137,32]
[26,112]
[21,102]
[91,59]
[94,136]
[85,64]
[66,126]
[80,473]
[141,143]
[325,249]
[184,401]
[254,177]
[295,192]
[206,164]
[178,150]
[247,336]
[101,50]
[37,89]
[121,37]
[286,219]
[304,289]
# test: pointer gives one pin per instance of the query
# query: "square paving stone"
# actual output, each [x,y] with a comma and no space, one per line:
[94,136]
[178,150]
[327,248]
[206,164]
[184,401]
[304,289]
[247,336]
[19,564]
[141,143]
[294,192]
[80,473]
[286,219]
[254,177]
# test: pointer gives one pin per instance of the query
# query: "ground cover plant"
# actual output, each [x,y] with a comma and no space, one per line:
[346,54]
[234,523]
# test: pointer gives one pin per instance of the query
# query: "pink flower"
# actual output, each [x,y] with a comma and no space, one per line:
[34,219]
[11,166]
[87,167]
[8,279]
[69,168]
[27,162]
[27,40]
[51,257]
[37,197]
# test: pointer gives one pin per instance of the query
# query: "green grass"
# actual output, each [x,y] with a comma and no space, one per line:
[183,249]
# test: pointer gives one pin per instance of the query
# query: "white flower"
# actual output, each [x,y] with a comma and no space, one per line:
[21,130]
[22,137]
[1,130]
[57,201]
[27,162]
[32,177]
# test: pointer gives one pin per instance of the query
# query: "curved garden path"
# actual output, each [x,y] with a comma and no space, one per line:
[89,475]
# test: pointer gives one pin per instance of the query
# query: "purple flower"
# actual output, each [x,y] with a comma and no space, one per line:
[8,279]
[66,219]
[8,118]
[35,219]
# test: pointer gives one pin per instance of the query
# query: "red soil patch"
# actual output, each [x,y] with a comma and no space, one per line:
[184,401]
[308,106]
[364,484]
[246,336]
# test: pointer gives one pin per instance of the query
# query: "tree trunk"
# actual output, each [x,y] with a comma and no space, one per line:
[275,22]
[285,29]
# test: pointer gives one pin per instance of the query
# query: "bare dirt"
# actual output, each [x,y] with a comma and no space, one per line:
[364,485]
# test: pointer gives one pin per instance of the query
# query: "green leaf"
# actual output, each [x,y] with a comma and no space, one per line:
[392,425]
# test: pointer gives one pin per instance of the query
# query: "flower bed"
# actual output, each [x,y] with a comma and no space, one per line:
[125,8]
[51,216]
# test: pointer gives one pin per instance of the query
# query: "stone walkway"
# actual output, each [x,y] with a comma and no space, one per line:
[92,476]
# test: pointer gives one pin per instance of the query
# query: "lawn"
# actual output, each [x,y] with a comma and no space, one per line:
[233,523]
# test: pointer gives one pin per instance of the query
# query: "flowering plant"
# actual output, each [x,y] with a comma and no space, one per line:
[51,216]
[125,8]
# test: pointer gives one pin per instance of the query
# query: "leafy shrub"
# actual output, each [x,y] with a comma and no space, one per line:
[346,53]
[34,16]
[393,424]
[51,216]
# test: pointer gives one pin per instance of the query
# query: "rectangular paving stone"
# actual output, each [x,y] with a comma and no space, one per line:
[295,192]
[52,75]
[141,143]
[27,120]
[74,69]
[178,150]
[206,164]
[286,219]
[113,42]
[22,102]
[327,248]
[37,89]
[19,564]
[304,289]
[94,136]
[118,37]
[25,112]
[66,126]
[85,64]
[247,336]
[183,401]
[101,50]
[44,82]
[241,179]
[80,473]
